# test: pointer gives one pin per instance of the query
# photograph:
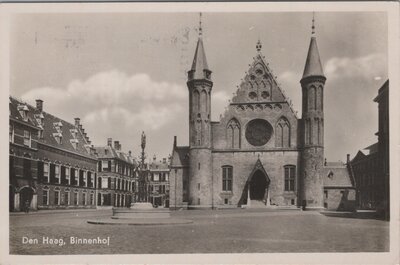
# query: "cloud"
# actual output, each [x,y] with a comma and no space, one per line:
[114,103]
[372,66]
[350,113]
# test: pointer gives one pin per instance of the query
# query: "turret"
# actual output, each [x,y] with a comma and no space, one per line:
[312,84]
[199,85]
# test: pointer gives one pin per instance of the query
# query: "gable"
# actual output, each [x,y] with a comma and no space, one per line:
[259,85]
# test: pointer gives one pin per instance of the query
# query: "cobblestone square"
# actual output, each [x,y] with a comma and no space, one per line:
[218,231]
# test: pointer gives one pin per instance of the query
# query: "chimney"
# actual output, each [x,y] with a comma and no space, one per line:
[116,145]
[154,158]
[175,140]
[39,105]
[348,158]
[77,122]
[109,141]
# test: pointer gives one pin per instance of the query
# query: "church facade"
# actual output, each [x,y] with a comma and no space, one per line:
[259,152]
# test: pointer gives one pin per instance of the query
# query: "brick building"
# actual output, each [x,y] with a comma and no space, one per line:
[117,174]
[23,133]
[158,181]
[259,152]
[63,170]
[371,165]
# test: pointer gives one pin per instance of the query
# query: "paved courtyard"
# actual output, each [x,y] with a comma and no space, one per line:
[218,231]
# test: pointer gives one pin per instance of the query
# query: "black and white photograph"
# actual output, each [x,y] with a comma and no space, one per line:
[197,128]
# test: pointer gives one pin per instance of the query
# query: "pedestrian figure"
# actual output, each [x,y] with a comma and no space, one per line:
[27,206]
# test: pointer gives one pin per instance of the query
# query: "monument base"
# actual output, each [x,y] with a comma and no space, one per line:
[141,210]
[140,213]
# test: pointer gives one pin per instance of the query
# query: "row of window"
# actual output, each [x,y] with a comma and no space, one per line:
[315,99]
[115,184]
[162,176]
[161,189]
[57,174]
[107,166]
[65,198]
[311,128]
[289,178]
[27,136]
[282,133]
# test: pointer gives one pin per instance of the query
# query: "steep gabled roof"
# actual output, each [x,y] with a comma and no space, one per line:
[199,61]
[15,113]
[336,177]
[180,156]
[313,65]
[104,152]
[71,137]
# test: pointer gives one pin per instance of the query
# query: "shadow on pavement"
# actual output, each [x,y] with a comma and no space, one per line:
[356,215]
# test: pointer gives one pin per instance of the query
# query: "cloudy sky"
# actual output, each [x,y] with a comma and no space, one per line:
[124,73]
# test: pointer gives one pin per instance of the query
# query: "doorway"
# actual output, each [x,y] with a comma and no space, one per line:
[258,185]
[26,194]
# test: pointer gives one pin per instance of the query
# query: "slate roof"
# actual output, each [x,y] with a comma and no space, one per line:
[313,65]
[336,176]
[52,127]
[15,114]
[111,152]
[158,165]
[199,61]
[180,156]
[365,153]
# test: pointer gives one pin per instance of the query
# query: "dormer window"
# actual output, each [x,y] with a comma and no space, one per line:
[88,148]
[74,143]
[39,119]
[58,137]
[23,111]
[74,133]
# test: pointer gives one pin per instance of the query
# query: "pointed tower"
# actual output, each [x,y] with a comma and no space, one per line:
[199,84]
[312,137]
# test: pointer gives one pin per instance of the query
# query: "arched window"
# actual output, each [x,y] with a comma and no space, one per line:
[196,101]
[227,178]
[290,177]
[233,134]
[282,133]
[311,98]
[321,98]
[315,96]
[203,101]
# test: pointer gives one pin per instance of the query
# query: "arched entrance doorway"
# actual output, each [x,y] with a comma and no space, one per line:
[258,186]
[25,195]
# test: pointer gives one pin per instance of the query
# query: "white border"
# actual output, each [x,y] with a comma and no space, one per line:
[392,9]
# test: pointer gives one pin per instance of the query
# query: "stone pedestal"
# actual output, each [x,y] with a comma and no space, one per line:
[140,210]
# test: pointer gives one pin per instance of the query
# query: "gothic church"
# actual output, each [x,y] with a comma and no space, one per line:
[259,153]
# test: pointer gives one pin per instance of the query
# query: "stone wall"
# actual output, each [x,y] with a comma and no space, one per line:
[243,164]
[340,199]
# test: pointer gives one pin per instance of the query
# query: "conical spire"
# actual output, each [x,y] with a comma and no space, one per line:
[313,65]
[199,68]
